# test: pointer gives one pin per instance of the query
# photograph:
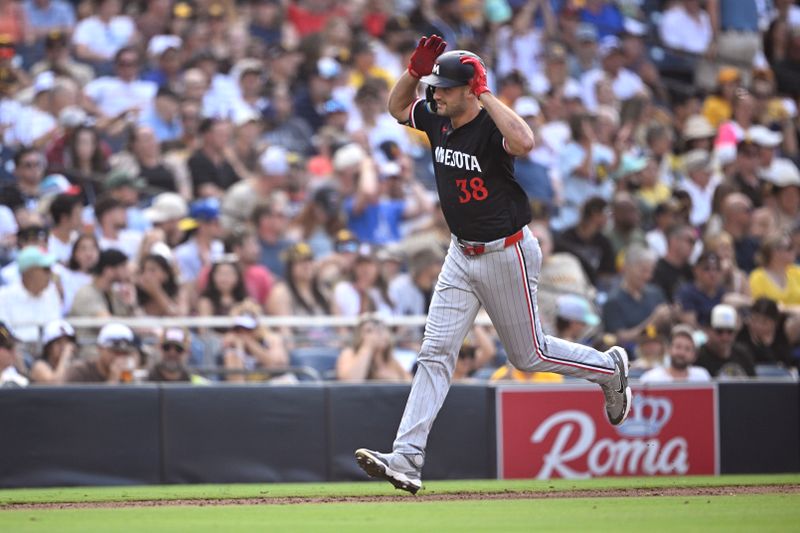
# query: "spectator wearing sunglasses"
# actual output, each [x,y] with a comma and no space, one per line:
[23,192]
[174,354]
[717,354]
[778,277]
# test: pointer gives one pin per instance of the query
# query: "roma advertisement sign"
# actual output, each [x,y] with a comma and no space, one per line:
[562,432]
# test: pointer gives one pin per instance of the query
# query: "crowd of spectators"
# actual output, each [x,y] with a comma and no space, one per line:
[224,158]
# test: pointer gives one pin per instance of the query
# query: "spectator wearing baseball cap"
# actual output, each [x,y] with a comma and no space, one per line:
[574,317]
[9,375]
[783,181]
[682,356]
[249,346]
[166,213]
[267,186]
[767,142]
[625,84]
[204,244]
[58,57]
[701,183]
[116,361]
[309,101]
[31,233]
[650,348]
[698,298]
[717,355]
[59,345]
[34,299]
[174,356]
[585,57]
[164,61]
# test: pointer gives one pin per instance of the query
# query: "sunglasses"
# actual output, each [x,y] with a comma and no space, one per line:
[172,347]
[723,331]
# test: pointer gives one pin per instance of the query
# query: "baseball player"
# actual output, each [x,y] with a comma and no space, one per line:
[493,260]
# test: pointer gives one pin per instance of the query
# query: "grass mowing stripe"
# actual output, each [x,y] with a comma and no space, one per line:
[715,513]
[312,490]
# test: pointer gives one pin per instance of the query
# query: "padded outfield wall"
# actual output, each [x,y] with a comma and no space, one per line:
[147,434]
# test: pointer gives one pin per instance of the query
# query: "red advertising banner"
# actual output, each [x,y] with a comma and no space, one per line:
[562,432]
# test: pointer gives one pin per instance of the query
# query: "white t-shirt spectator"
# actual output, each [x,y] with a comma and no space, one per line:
[62,250]
[33,124]
[660,375]
[518,52]
[540,85]
[386,129]
[626,85]
[113,95]
[348,301]
[701,199]
[128,241]
[104,39]
[681,31]
[19,307]
[11,124]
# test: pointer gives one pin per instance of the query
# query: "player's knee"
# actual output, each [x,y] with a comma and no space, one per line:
[435,349]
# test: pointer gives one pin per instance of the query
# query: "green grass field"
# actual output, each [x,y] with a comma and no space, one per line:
[740,512]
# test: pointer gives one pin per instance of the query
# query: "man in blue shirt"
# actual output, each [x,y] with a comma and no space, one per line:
[603,15]
[45,16]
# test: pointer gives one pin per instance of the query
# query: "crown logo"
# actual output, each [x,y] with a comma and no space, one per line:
[648,416]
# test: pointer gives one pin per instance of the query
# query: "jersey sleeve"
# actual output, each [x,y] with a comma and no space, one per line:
[420,117]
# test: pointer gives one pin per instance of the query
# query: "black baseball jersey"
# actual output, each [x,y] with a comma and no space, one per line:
[480,198]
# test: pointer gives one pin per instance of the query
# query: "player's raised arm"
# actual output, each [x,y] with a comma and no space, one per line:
[516,132]
[421,63]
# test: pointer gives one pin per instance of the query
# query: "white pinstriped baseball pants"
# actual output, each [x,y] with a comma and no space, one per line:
[505,283]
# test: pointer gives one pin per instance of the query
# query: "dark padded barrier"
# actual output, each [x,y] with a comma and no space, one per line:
[89,435]
[759,427]
[227,434]
[461,445]
[97,435]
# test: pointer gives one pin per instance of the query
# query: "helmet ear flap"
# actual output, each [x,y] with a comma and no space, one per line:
[429,101]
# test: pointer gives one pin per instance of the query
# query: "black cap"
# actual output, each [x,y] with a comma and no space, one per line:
[449,71]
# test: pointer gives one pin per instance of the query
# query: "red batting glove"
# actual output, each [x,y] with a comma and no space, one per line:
[478,84]
[423,58]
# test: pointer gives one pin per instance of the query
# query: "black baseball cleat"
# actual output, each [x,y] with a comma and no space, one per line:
[402,471]
[617,392]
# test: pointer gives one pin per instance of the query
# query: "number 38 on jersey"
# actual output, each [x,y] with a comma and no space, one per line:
[472,189]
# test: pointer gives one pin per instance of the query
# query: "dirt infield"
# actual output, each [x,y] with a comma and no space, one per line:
[431,496]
